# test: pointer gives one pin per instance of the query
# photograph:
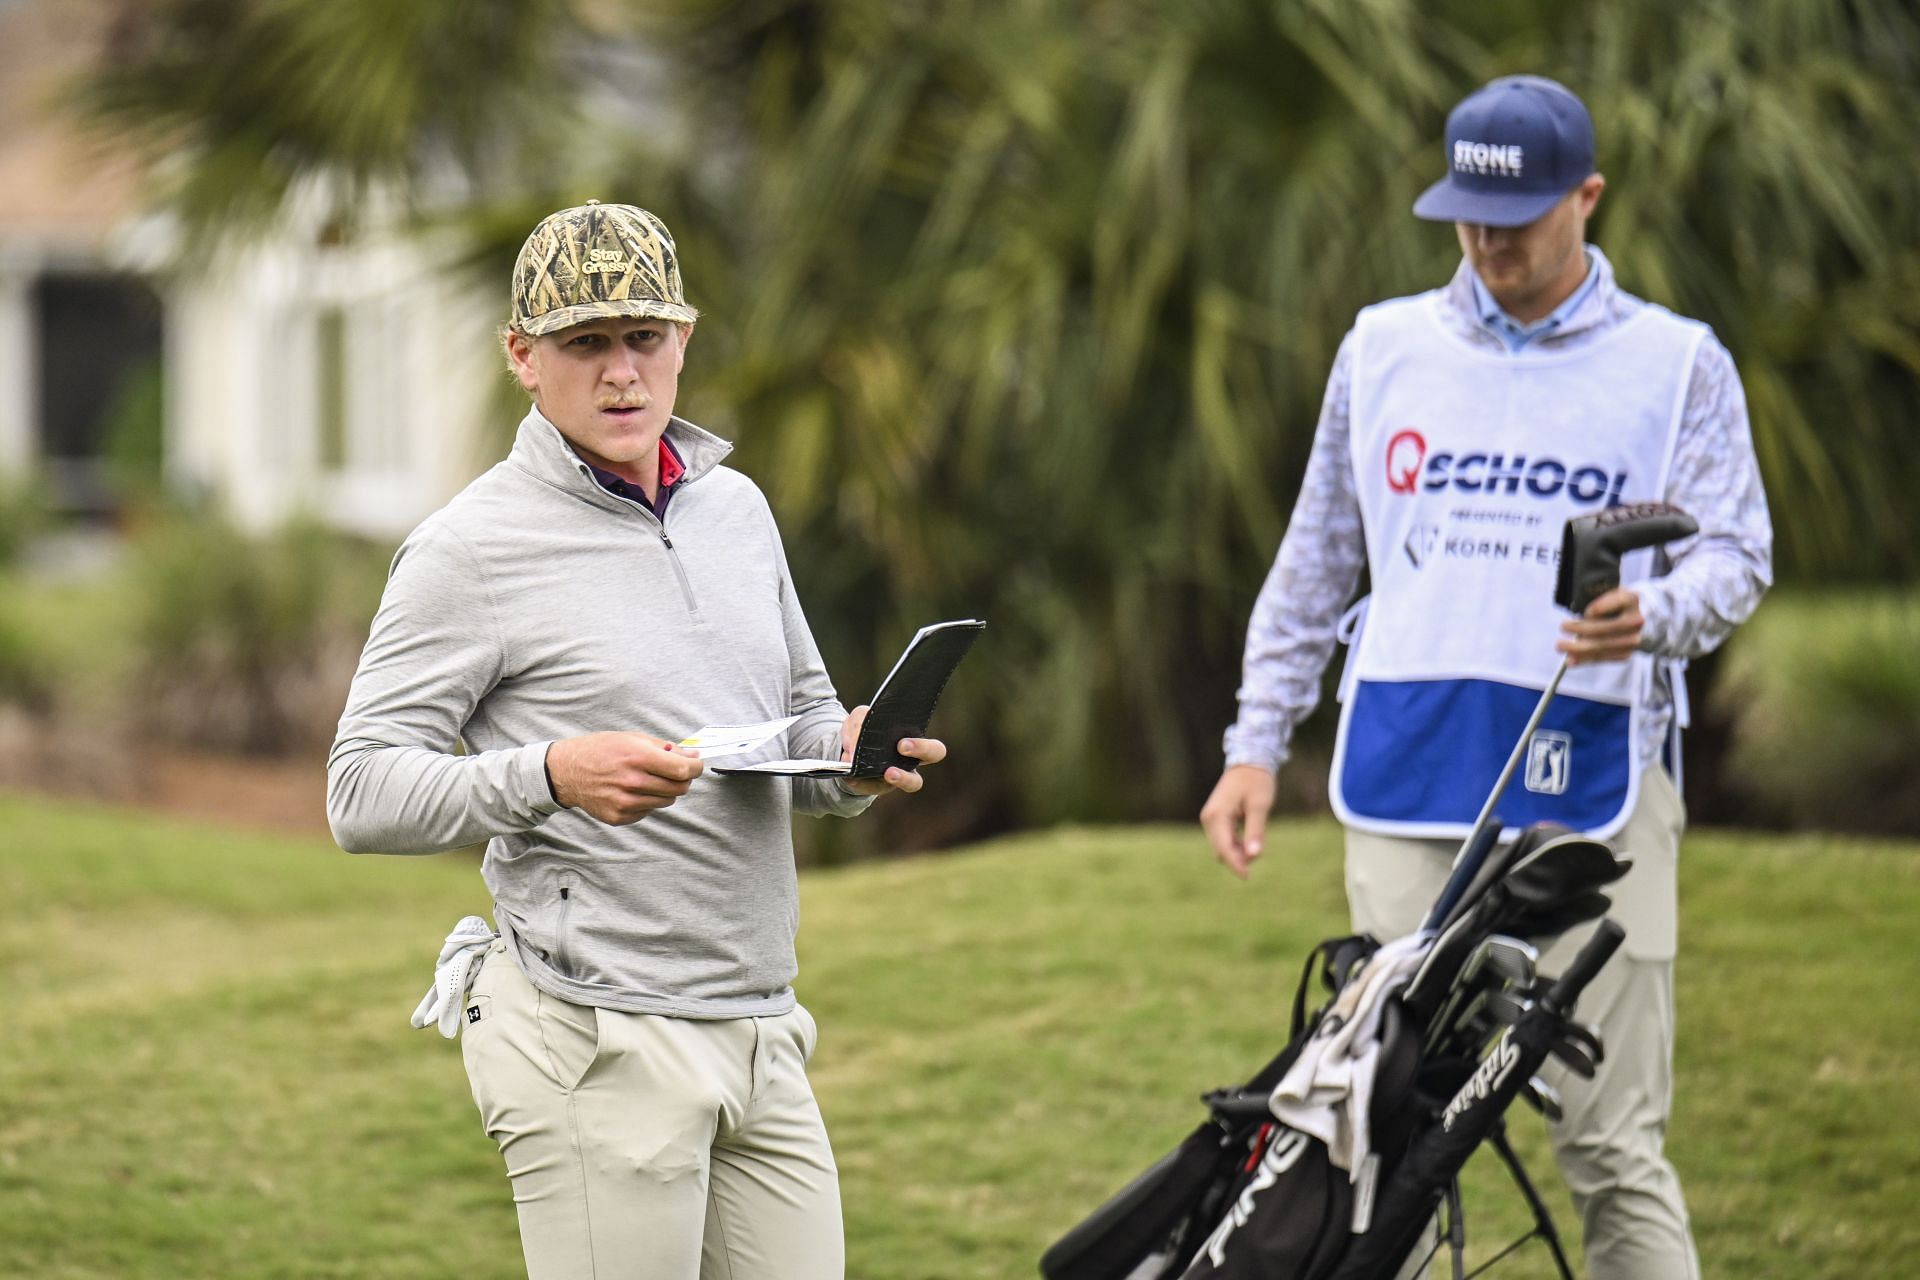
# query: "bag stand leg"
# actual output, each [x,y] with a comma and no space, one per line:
[1542,1220]
[1456,1231]
[1455,1235]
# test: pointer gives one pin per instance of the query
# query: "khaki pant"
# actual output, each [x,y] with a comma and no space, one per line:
[1609,1144]
[653,1148]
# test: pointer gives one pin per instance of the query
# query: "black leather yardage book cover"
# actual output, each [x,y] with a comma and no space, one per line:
[901,709]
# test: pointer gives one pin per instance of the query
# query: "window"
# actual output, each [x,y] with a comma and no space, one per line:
[98,339]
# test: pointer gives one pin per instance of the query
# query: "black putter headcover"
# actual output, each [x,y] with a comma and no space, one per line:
[1564,866]
[1542,924]
[1591,548]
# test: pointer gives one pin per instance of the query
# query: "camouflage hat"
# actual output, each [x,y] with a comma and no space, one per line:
[595,261]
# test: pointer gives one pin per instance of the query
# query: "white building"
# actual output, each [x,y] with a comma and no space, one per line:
[355,382]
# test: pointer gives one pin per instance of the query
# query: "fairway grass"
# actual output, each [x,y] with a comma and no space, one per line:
[206,1068]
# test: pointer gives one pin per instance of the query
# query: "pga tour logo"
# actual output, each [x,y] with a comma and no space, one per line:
[1549,759]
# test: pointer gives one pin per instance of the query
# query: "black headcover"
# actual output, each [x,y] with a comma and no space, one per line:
[1561,867]
[1591,547]
[1554,887]
[1503,860]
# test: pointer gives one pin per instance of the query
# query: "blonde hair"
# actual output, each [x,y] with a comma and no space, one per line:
[506,333]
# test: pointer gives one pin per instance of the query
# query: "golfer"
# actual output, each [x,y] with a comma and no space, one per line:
[1461,429]
[632,1039]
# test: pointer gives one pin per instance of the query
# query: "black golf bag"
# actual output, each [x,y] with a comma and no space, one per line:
[1246,1197]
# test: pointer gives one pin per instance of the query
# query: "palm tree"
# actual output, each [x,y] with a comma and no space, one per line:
[1022,308]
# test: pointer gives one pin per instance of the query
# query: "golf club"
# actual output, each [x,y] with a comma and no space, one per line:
[1544,1097]
[1590,552]
[1509,961]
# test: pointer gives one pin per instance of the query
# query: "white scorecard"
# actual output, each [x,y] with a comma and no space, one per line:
[718,740]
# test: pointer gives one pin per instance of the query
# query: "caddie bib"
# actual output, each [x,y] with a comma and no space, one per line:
[1468,465]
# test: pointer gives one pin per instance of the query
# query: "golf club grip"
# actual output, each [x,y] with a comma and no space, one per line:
[1471,858]
[1599,949]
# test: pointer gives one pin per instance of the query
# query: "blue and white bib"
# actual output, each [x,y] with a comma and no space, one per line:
[1468,465]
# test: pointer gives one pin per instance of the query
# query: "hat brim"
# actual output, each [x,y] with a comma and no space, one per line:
[617,309]
[1445,202]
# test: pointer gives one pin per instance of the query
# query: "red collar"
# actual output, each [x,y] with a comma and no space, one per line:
[671,468]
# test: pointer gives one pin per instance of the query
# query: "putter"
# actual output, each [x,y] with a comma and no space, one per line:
[1590,552]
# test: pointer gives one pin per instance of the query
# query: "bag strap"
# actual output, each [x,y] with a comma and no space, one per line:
[1336,959]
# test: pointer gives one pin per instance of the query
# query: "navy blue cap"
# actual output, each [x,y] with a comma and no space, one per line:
[1513,149]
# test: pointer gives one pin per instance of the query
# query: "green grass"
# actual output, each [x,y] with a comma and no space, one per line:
[205,1067]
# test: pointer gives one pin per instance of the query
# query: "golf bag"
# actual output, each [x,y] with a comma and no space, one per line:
[1440,1032]
[1248,1197]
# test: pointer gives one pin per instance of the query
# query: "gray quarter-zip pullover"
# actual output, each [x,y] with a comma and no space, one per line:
[537,606]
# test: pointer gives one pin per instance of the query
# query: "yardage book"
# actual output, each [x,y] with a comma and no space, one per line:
[901,709]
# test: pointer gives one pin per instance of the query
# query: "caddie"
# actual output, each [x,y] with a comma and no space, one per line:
[1461,428]
[631,1037]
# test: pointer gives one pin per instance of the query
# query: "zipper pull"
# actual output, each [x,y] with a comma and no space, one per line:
[664,538]
[564,889]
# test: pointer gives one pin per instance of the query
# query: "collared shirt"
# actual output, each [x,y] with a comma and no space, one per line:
[1718,575]
[671,472]
[1516,334]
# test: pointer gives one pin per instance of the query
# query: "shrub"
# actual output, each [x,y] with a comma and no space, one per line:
[1823,694]
[25,680]
[23,513]
[248,642]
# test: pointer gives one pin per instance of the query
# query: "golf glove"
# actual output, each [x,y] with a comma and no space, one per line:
[460,960]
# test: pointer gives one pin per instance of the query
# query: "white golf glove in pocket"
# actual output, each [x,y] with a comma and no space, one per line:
[459,963]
